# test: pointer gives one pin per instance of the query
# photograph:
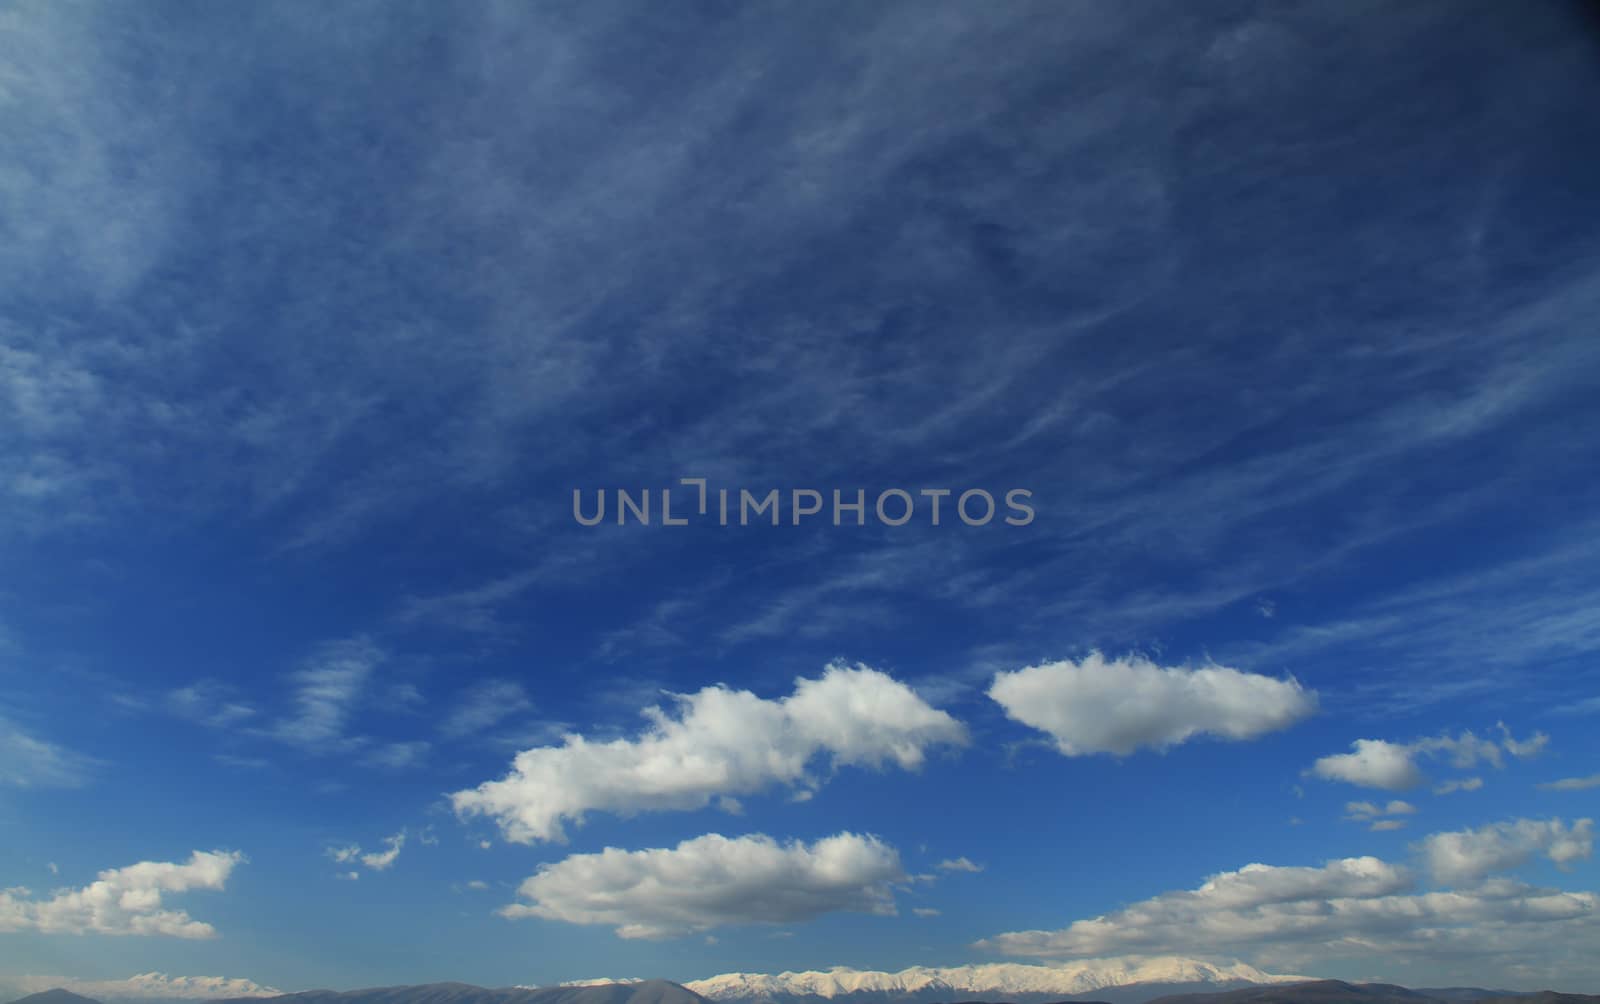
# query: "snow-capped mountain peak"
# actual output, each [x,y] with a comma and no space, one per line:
[1011,979]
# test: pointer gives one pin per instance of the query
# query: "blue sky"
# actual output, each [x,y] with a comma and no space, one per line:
[312,321]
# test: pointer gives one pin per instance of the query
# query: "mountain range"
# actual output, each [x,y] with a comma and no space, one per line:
[1141,983]
[1121,981]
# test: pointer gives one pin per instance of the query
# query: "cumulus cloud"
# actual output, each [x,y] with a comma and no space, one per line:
[381,860]
[714,881]
[720,742]
[123,900]
[1389,766]
[1229,910]
[154,986]
[1458,784]
[959,865]
[1372,763]
[1353,907]
[1381,817]
[1466,856]
[1368,810]
[375,860]
[1122,705]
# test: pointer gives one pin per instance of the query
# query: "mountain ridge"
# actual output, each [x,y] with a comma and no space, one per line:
[1224,990]
[1017,981]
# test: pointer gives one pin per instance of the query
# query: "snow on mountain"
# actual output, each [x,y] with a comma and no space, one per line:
[1010,979]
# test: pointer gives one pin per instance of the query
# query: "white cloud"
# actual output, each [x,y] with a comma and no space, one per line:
[375,860]
[721,742]
[154,986]
[1572,783]
[396,755]
[1369,810]
[1381,817]
[381,860]
[1378,763]
[123,900]
[714,881]
[925,911]
[1373,763]
[1121,705]
[326,690]
[1458,784]
[29,762]
[1361,907]
[208,703]
[484,705]
[1522,749]
[959,865]
[1465,856]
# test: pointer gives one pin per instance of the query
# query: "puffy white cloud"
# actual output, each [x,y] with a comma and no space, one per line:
[1372,763]
[959,865]
[1468,855]
[721,742]
[1572,783]
[1458,784]
[1369,810]
[381,860]
[1380,816]
[1354,907]
[123,900]
[154,986]
[375,860]
[712,881]
[1378,763]
[1231,909]
[1121,705]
